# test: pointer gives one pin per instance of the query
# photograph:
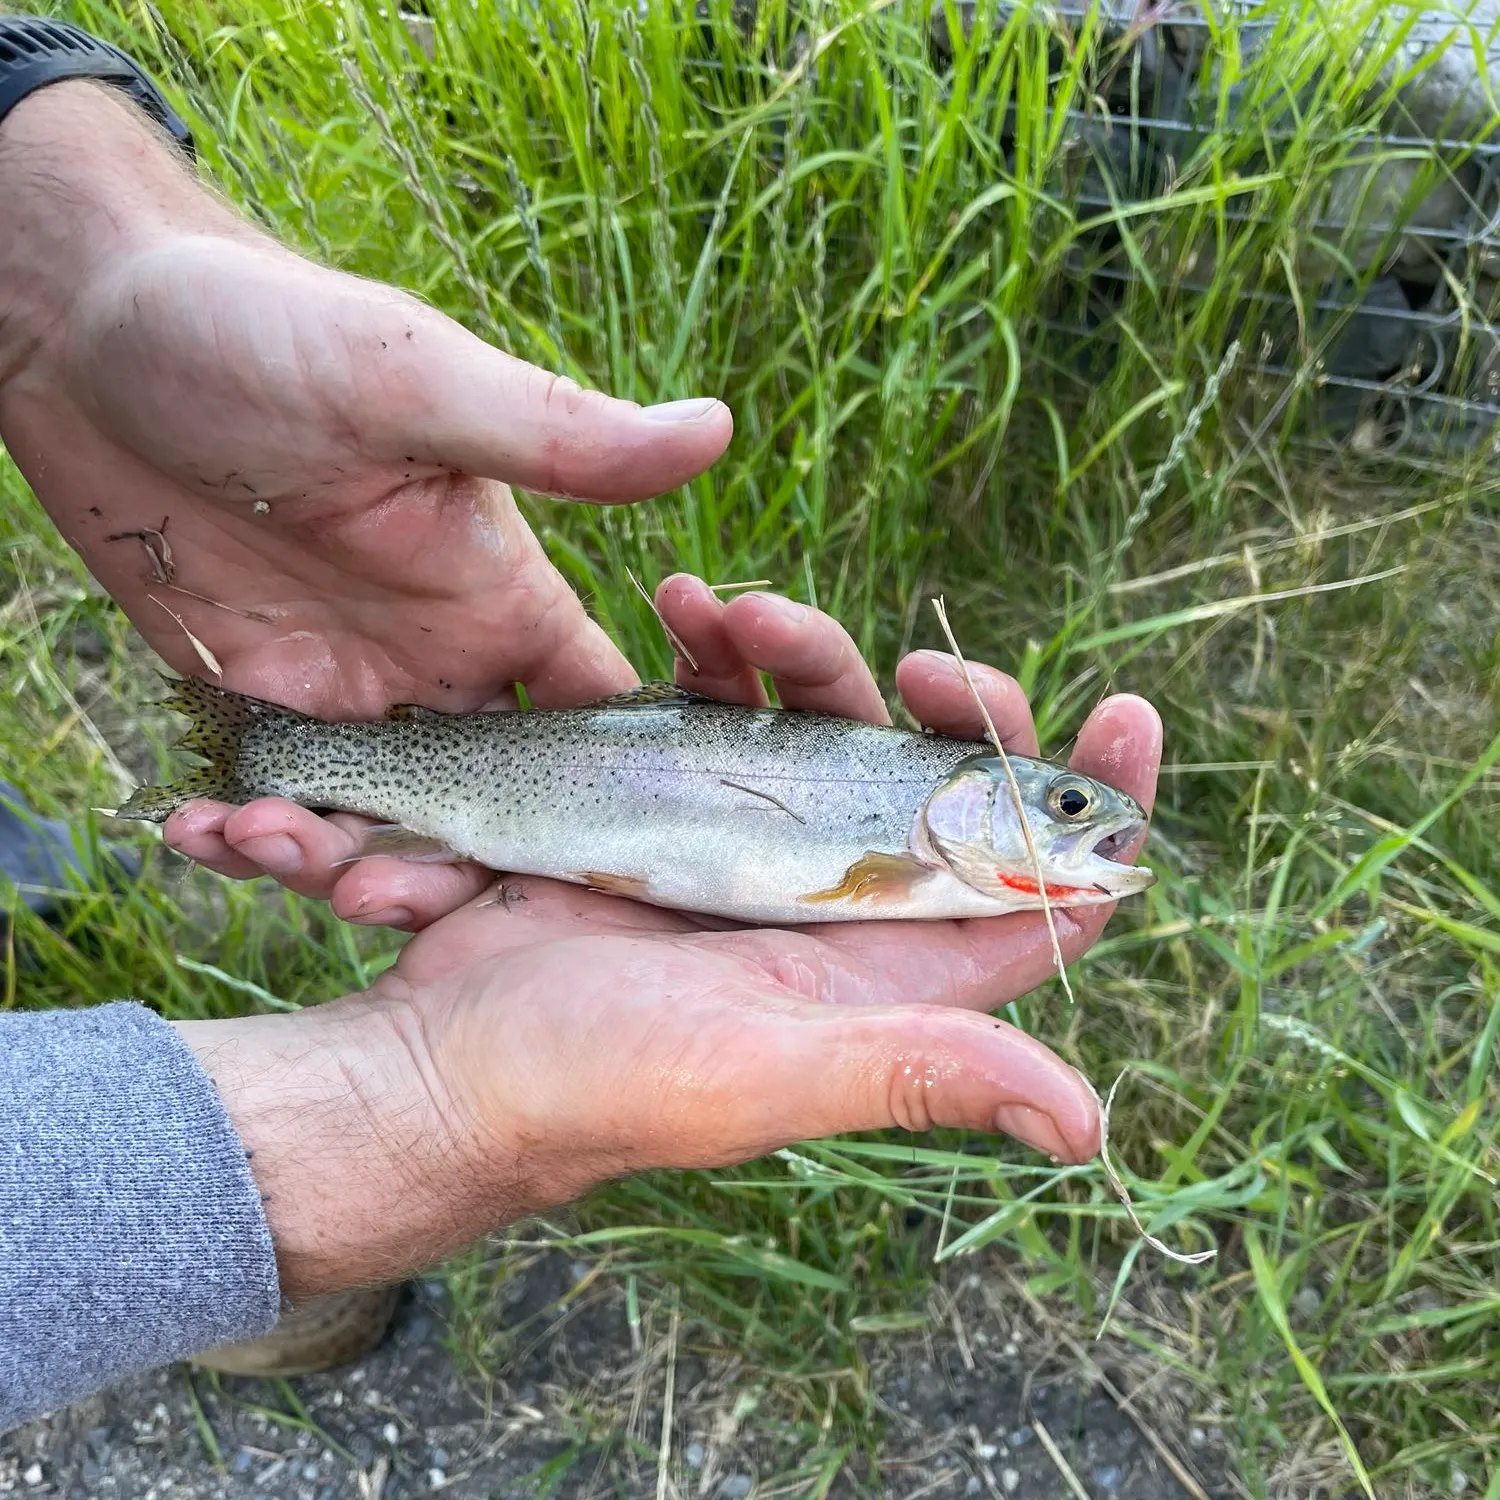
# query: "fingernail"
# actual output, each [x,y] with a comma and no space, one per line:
[788,609]
[389,916]
[278,853]
[1032,1127]
[693,410]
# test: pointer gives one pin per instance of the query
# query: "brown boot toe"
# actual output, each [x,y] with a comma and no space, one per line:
[319,1334]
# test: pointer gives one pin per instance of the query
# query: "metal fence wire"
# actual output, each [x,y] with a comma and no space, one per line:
[1383,329]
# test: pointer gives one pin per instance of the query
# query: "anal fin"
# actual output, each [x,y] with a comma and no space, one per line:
[875,877]
[393,841]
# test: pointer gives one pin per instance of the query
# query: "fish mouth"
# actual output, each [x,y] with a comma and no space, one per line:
[1114,843]
[1088,875]
[1103,869]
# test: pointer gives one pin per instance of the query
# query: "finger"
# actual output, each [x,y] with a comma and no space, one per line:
[932,686]
[196,831]
[692,612]
[465,405]
[770,1067]
[561,654]
[914,1069]
[307,854]
[811,659]
[297,848]
[383,892]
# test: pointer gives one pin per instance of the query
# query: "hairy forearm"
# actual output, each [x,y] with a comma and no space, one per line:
[363,1171]
[85,177]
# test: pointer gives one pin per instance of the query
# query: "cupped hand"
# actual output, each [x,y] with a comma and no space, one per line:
[544,1038]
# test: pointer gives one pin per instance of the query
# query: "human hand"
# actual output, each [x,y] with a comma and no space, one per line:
[542,1037]
[327,458]
[546,1038]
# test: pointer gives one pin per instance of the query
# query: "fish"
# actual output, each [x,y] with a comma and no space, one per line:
[765,816]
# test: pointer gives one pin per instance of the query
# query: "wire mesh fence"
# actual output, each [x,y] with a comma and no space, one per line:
[1383,331]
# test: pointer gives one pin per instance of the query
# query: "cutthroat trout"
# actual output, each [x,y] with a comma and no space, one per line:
[758,815]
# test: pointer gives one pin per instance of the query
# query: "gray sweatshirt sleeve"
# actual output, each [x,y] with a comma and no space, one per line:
[131,1230]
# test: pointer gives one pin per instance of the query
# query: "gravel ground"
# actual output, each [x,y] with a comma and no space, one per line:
[981,1404]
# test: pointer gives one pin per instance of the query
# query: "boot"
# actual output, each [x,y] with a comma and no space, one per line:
[319,1334]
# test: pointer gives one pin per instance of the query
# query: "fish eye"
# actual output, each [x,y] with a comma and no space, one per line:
[1071,801]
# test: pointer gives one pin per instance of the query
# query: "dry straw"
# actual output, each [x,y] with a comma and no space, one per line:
[1116,1182]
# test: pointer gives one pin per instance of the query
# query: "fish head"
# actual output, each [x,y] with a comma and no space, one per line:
[972,825]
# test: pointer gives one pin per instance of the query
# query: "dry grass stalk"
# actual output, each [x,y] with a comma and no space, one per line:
[1197,1257]
[1015,790]
[673,639]
[1116,1182]
[206,656]
[1055,1454]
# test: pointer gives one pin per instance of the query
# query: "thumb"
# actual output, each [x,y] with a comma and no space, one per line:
[467,406]
[812,1071]
[703,1062]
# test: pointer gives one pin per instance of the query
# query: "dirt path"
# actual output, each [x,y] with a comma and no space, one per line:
[968,1411]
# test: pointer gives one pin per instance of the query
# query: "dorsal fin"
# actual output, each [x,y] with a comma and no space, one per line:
[652,695]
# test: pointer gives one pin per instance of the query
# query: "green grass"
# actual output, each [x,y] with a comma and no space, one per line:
[1310,997]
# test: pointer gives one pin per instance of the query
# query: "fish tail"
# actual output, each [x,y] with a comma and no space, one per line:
[217,721]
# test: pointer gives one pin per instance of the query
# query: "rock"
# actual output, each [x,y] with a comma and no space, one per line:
[693,1455]
[1447,95]
[1375,343]
[1010,1480]
[1469,376]
[1375,197]
[1109,1477]
[1117,15]
[973,1485]
[736,1487]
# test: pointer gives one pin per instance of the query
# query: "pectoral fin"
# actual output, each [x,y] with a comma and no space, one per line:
[395,842]
[874,877]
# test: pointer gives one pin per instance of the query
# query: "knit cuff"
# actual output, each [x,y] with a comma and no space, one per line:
[132,1233]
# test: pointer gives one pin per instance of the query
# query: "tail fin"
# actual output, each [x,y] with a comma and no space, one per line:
[217,720]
